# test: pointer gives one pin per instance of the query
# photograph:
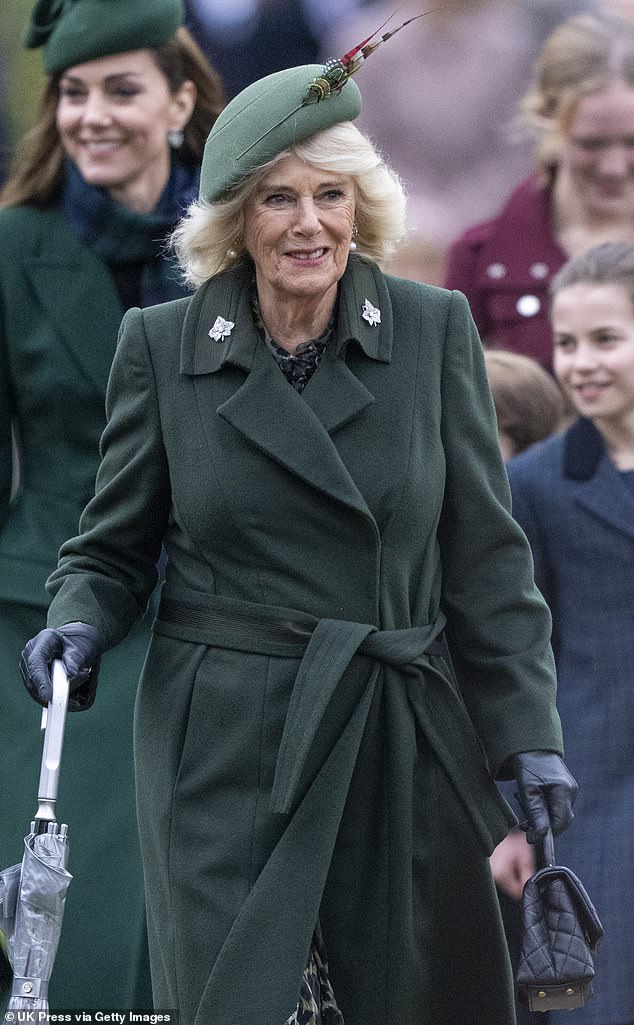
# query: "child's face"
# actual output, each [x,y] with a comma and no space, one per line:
[593,328]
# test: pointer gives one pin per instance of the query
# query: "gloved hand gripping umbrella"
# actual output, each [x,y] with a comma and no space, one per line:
[33,893]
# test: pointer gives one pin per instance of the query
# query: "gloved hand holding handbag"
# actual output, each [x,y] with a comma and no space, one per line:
[80,647]
[546,792]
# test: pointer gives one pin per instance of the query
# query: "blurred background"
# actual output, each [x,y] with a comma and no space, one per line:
[21,76]
[439,101]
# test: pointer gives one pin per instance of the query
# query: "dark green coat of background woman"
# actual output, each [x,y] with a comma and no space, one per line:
[60,318]
[74,254]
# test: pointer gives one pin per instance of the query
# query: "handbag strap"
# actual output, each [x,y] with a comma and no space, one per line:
[547,849]
[588,917]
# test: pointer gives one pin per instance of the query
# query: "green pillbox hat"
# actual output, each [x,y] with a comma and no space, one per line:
[74,31]
[266,118]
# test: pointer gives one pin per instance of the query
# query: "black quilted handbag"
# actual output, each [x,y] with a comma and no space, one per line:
[561,932]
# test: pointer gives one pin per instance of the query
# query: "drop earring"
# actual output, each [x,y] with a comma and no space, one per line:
[176,139]
[355,232]
[231,254]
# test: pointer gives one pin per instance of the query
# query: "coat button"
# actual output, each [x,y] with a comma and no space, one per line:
[496,270]
[528,306]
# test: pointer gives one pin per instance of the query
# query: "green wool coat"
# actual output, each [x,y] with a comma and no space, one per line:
[59,318]
[303,749]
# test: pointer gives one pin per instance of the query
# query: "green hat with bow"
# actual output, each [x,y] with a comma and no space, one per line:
[74,31]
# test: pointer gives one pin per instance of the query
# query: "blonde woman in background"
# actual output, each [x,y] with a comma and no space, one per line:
[581,107]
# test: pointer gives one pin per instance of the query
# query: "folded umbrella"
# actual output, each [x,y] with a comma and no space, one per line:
[33,893]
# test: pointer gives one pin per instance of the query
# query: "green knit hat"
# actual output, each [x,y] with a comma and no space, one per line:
[269,116]
[74,31]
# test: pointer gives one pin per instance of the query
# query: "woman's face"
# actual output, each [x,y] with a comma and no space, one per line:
[593,328]
[598,152]
[113,117]
[298,228]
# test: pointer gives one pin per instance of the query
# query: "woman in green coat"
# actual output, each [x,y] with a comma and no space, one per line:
[96,186]
[315,445]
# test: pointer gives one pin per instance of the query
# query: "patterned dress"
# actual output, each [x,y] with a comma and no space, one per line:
[317,1004]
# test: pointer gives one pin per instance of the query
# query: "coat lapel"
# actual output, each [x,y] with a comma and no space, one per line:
[595,481]
[336,396]
[277,420]
[607,497]
[292,429]
[64,277]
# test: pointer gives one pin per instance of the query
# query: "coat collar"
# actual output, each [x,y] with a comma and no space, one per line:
[596,482]
[63,273]
[227,295]
[292,429]
[584,449]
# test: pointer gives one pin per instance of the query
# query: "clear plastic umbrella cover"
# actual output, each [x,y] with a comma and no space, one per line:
[33,894]
[9,886]
[32,946]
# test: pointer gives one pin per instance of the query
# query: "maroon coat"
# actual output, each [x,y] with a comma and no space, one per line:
[504,266]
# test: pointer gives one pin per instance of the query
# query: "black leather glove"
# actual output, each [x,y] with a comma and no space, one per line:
[79,647]
[546,792]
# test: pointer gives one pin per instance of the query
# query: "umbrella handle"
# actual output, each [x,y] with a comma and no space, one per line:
[53,722]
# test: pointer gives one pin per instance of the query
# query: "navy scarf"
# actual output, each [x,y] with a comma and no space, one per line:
[120,236]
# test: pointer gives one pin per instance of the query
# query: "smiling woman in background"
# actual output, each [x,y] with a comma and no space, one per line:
[96,187]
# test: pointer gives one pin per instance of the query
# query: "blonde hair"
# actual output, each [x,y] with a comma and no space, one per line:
[528,403]
[209,230]
[581,57]
[37,174]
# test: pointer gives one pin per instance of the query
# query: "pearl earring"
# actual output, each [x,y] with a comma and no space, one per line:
[231,254]
[176,139]
[353,245]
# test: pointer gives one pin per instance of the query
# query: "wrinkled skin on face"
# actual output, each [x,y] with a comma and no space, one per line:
[298,229]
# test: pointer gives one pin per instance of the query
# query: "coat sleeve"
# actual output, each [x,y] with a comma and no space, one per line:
[106,575]
[498,623]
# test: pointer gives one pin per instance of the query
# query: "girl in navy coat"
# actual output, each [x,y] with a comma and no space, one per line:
[574,496]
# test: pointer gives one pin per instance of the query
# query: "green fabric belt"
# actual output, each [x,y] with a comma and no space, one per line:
[326,648]
[386,692]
